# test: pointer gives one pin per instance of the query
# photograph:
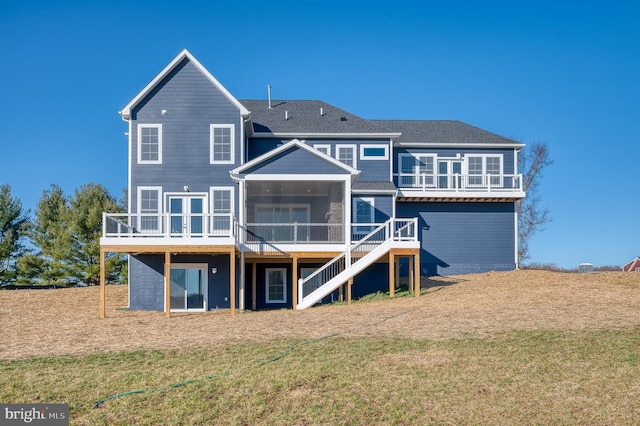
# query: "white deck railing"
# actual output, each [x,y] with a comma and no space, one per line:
[137,225]
[459,183]
[294,233]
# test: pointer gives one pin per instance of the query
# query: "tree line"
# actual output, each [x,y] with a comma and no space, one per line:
[60,244]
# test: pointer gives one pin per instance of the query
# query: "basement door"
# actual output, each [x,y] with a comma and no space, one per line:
[189,287]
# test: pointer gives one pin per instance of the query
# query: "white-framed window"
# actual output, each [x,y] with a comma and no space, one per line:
[222,207]
[276,285]
[374,152]
[324,148]
[149,143]
[346,154]
[416,170]
[479,165]
[363,212]
[222,137]
[149,209]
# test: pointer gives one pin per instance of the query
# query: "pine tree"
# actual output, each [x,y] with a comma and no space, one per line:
[14,223]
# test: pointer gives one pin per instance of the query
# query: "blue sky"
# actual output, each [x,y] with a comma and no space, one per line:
[563,72]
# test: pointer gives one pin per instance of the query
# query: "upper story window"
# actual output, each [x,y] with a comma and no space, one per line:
[374,152]
[222,207]
[416,170]
[149,143]
[222,137]
[324,148]
[479,166]
[346,154]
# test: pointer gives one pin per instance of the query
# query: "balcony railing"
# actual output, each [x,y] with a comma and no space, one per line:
[459,183]
[140,225]
[295,233]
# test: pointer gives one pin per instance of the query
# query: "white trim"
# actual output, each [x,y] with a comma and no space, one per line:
[232,143]
[141,126]
[326,146]
[284,285]
[458,145]
[369,200]
[325,135]
[354,152]
[515,225]
[364,146]
[205,295]
[126,111]
[130,167]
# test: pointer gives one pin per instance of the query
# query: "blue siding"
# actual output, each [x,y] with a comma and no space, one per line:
[462,238]
[146,283]
[192,104]
[296,161]
[146,286]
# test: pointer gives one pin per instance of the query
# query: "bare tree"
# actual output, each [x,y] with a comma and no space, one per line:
[532,217]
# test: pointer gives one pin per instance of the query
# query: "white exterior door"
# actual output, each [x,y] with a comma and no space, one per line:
[186,215]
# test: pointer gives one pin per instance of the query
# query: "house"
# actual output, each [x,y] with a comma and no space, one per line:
[258,204]
[633,266]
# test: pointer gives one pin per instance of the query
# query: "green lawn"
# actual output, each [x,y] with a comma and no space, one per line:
[525,377]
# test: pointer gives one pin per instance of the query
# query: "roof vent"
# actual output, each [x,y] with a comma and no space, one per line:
[321,111]
[343,118]
[269,94]
[286,115]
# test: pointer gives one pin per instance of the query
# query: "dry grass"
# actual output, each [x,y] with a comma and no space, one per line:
[38,323]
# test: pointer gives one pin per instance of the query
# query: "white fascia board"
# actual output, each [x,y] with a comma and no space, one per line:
[458,145]
[325,135]
[126,111]
[294,177]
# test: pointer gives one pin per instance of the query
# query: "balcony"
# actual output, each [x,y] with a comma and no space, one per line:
[459,187]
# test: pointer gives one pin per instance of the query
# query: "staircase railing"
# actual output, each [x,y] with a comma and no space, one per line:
[393,229]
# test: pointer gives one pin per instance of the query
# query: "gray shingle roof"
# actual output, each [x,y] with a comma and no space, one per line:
[375,186]
[441,132]
[304,117]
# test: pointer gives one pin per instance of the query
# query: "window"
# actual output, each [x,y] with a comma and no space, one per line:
[222,207]
[276,285]
[324,148]
[416,170]
[481,165]
[374,152]
[149,143]
[363,212]
[222,137]
[149,209]
[346,154]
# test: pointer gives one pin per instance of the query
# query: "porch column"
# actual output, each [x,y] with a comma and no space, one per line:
[349,284]
[294,274]
[167,283]
[102,284]
[242,281]
[416,272]
[392,275]
[254,302]
[396,265]
[232,281]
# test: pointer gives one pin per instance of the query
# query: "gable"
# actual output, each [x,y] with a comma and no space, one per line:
[179,61]
[295,160]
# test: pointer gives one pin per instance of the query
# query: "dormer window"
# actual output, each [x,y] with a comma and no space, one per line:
[150,144]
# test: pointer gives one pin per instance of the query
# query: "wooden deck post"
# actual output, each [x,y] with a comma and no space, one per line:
[254,274]
[411,274]
[392,275]
[294,289]
[416,272]
[397,269]
[232,281]
[349,284]
[102,284]
[167,284]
